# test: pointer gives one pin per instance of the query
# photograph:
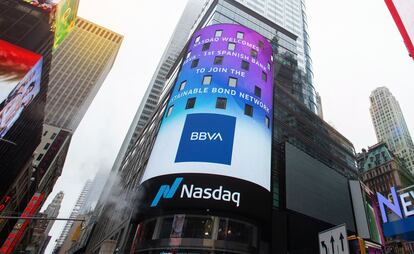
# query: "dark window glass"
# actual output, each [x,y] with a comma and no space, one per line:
[257,91]
[221,103]
[261,44]
[53,136]
[194,63]
[218,60]
[245,65]
[166,227]
[39,157]
[253,53]
[248,110]
[198,227]
[190,103]
[46,146]
[147,231]
[206,46]
[264,76]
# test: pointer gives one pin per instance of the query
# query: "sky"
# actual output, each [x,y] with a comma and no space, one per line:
[355,47]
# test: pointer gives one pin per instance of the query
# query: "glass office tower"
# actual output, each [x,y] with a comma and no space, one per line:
[144,213]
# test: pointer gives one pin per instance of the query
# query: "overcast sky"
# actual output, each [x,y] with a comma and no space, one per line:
[355,46]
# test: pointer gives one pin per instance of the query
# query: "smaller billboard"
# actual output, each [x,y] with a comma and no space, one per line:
[66,13]
[20,77]
[62,18]
[402,13]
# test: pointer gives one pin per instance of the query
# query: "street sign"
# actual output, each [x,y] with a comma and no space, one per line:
[334,241]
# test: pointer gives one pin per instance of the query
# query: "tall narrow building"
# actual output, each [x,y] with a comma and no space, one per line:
[75,212]
[390,126]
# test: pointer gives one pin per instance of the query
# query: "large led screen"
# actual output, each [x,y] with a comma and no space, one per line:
[20,76]
[66,13]
[63,14]
[402,12]
[316,190]
[214,143]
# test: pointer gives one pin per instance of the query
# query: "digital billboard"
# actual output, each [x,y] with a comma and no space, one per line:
[20,77]
[402,13]
[66,13]
[316,190]
[63,14]
[213,149]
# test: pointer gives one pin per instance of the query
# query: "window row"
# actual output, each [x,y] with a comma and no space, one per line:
[232,82]
[218,60]
[221,103]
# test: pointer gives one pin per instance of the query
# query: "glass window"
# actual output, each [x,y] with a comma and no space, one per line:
[190,103]
[197,39]
[182,85]
[268,66]
[39,157]
[207,80]
[232,82]
[206,46]
[248,110]
[261,44]
[46,146]
[198,227]
[257,91]
[170,110]
[267,121]
[253,53]
[245,65]
[188,54]
[218,33]
[218,60]
[147,231]
[231,46]
[53,136]
[264,76]
[221,103]
[165,230]
[240,35]
[194,63]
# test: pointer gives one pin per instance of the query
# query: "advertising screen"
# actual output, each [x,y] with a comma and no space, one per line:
[20,76]
[214,143]
[402,13]
[62,14]
[66,13]
[316,190]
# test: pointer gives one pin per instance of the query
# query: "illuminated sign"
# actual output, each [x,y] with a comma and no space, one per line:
[3,204]
[66,13]
[62,16]
[21,224]
[402,13]
[400,220]
[194,192]
[20,77]
[217,130]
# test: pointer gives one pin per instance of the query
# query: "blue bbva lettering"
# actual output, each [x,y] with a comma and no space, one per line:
[205,136]
[166,191]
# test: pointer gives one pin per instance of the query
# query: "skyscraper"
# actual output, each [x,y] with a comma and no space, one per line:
[41,228]
[156,86]
[187,184]
[390,126]
[75,212]
[79,68]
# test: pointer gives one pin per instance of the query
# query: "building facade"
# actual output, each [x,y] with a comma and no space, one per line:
[74,214]
[303,147]
[79,67]
[390,126]
[381,169]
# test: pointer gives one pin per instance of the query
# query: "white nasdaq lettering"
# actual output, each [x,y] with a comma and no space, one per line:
[218,192]
[198,192]
[207,193]
[235,197]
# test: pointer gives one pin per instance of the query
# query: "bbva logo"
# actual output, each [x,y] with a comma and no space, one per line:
[202,136]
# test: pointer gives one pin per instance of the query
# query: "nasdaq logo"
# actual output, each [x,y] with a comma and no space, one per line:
[201,136]
[207,138]
[191,191]
[167,191]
